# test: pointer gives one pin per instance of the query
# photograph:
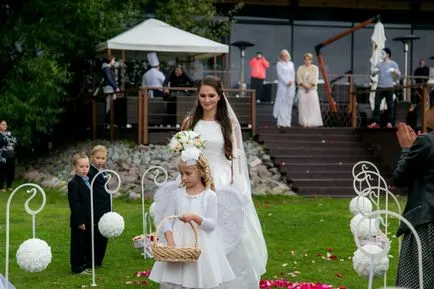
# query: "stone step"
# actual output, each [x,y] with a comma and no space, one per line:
[302,159]
[324,131]
[313,191]
[319,152]
[283,143]
[322,182]
[309,174]
[295,167]
[264,136]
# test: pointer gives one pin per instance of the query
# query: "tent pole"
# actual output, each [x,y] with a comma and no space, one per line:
[123,70]
[215,66]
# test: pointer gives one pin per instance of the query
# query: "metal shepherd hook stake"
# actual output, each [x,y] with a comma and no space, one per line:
[144,219]
[111,192]
[33,190]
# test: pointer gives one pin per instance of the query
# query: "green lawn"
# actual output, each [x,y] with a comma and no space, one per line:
[298,232]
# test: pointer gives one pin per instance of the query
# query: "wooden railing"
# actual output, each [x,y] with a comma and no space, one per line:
[243,103]
[425,88]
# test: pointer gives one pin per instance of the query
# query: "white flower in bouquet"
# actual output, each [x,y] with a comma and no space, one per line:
[183,139]
[111,225]
[362,262]
[360,204]
[34,255]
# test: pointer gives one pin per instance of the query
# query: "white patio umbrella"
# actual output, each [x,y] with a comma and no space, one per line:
[378,39]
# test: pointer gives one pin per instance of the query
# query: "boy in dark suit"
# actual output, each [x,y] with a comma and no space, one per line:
[102,204]
[79,204]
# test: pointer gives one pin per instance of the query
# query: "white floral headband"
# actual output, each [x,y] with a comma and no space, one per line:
[190,155]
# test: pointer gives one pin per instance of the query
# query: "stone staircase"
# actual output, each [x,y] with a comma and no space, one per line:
[317,161]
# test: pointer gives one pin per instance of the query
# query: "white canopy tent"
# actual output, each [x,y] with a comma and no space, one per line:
[168,41]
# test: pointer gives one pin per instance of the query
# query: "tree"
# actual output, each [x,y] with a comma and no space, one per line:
[43,46]
[198,17]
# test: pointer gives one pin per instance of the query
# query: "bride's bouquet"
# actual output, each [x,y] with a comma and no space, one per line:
[184,139]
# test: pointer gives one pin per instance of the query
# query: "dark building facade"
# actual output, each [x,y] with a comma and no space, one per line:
[301,24]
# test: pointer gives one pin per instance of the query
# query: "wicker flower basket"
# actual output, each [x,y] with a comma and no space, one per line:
[174,254]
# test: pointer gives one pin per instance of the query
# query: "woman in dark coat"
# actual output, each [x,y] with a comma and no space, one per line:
[7,156]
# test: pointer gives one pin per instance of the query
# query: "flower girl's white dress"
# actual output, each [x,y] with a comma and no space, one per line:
[212,268]
[238,227]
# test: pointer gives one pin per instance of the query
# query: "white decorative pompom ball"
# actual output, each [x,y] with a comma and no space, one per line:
[34,255]
[359,205]
[380,239]
[151,210]
[111,225]
[367,227]
[362,262]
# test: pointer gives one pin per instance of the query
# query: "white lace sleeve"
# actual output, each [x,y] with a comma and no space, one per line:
[162,199]
[209,221]
[231,210]
[170,211]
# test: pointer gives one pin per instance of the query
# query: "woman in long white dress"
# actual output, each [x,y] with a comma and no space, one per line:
[282,110]
[309,110]
[214,119]
[196,204]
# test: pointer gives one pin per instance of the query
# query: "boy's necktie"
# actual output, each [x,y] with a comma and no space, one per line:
[86,180]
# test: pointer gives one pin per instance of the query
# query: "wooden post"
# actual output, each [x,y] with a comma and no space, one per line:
[354,109]
[253,101]
[425,107]
[350,93]
[328,88]
[140,117]
[145,117]
[112,118]
[93,119]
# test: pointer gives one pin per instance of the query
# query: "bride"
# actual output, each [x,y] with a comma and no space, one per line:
[214,119]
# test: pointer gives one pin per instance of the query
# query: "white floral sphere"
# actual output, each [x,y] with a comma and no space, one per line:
[111,225]
[34,255]
[362,261]
[380,239]
[367,227]
[359,205]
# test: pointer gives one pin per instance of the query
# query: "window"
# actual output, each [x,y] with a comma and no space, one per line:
[268,37]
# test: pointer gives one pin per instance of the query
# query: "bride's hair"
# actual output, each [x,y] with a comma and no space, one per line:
[222,115]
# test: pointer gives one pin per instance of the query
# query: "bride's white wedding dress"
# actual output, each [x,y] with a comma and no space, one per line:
[246,248]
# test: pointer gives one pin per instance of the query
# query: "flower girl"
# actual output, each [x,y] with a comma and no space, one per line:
[196,203]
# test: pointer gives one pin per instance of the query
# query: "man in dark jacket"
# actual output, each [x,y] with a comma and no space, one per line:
[109,87]
[177,78]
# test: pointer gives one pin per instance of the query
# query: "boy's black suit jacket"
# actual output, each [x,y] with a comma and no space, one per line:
[79,201]
[101,198]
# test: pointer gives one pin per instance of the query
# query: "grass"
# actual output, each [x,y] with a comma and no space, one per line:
[297,231]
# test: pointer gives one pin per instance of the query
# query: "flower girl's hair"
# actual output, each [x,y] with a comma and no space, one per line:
[205,172]
[194,157]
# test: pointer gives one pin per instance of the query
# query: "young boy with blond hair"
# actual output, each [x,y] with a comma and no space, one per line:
[79,204]
[101,199]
